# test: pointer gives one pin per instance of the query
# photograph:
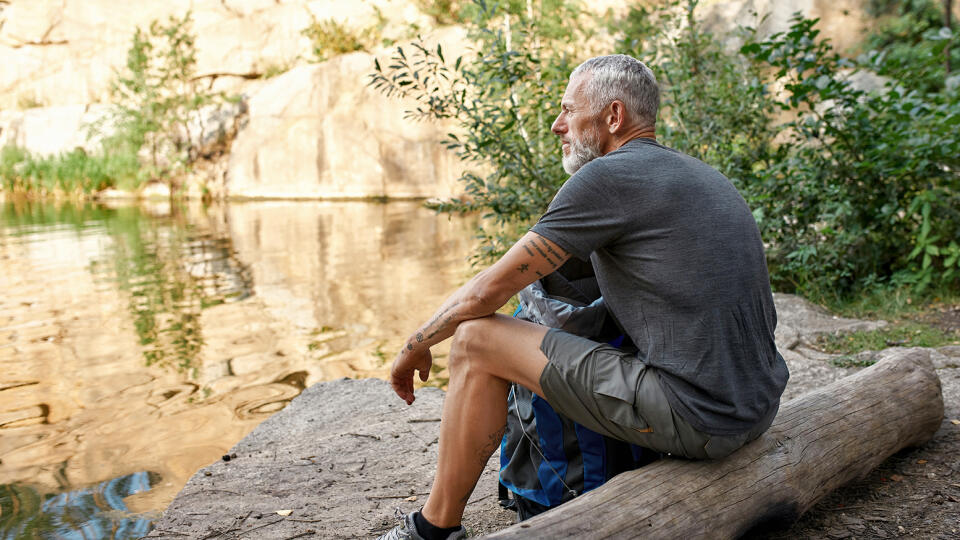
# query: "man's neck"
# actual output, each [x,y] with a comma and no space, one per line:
[646,132]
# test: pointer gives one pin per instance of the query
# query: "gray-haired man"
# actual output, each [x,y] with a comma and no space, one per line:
[681,267]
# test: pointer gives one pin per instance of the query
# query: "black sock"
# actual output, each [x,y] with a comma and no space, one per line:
[429,531]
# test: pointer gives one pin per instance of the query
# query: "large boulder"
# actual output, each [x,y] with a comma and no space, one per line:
[321,131]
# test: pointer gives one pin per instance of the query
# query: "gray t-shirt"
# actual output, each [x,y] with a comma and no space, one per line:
[681,266]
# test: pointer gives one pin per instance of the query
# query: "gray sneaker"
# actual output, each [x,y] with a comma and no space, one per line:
[407,530]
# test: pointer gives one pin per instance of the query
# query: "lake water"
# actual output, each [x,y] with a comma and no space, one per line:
[138,344]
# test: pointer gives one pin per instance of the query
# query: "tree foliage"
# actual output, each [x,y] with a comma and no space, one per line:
[909,35]
[503,98]
[852,188]
[157,97]
[866,188]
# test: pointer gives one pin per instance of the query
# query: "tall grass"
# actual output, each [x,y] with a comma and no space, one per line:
[74,171]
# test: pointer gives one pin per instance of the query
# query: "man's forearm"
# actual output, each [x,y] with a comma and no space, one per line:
[483,295]
[468,302]
[532,257]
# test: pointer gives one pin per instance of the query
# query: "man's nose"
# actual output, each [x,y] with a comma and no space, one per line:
[559,127]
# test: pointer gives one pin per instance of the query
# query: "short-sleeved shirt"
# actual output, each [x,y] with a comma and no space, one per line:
[681,266]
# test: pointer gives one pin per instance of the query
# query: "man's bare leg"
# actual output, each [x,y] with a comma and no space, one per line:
[486,355]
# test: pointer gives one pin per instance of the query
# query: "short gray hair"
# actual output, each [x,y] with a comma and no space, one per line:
[624,78]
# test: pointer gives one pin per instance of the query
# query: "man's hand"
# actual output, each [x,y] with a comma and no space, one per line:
[401,374]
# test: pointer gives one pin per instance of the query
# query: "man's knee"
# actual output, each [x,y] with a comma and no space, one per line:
[467,346]
[500,346]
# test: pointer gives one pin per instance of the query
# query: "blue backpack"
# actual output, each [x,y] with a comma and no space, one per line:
[547,459]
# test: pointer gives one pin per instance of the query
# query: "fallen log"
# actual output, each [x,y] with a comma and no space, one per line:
[817,443]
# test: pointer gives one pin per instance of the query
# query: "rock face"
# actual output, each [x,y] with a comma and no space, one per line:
[51,130]
[320,131]
[315,131]
[58,52]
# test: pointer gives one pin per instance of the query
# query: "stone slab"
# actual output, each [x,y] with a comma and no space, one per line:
[341,457]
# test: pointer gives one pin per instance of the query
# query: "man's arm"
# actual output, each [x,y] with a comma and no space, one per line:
[531,258]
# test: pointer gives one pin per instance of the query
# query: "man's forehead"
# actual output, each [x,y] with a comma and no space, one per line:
[575,88]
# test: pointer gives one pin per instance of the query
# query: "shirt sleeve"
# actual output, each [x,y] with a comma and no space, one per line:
[583,216]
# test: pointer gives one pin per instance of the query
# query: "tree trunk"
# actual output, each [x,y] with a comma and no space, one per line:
[947,13]
[817,443]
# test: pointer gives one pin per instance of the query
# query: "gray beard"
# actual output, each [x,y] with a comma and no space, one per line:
[582,151]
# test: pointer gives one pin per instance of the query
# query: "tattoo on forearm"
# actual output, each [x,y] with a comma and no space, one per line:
[443,325]
[523,268]
[436,318]
[539,275]
[450,315]
[529,252]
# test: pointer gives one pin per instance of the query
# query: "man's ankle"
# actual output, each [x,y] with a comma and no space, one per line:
[429,531]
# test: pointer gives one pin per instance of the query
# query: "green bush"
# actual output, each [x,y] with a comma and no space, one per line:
[331,38]
[157,97]
[866,189]
[908,34]
[442,11]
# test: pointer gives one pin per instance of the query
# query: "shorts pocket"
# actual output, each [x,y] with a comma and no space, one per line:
[615,390]
[722,446]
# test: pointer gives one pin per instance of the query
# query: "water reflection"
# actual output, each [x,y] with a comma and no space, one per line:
[170,274]
[97,512]
[135,340]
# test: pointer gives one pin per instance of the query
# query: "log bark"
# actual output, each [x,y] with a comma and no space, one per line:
[817,443]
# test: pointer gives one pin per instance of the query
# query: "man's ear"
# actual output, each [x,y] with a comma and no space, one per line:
[616,116]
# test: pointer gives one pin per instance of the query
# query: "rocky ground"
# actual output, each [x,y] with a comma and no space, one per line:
[344,455]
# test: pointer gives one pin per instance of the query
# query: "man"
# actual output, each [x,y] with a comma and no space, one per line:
[681,267]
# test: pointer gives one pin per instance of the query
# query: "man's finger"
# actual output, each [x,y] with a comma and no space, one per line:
[403,391]
[424,374]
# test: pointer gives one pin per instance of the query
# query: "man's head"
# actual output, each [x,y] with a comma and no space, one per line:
[610,100]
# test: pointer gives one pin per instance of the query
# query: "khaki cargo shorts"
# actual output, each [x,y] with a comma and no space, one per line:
[612,392]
